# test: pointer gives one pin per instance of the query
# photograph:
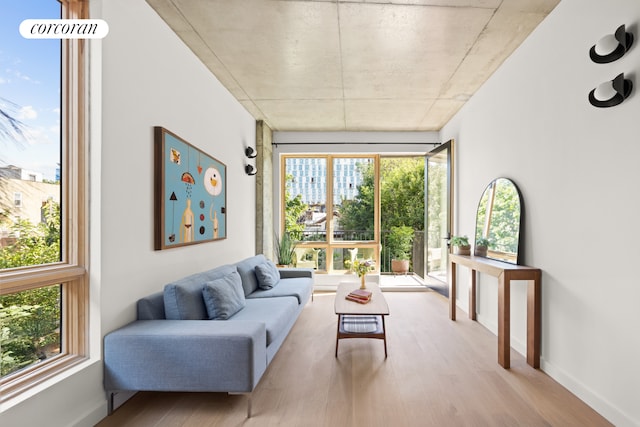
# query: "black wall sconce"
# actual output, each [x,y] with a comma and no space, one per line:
[611,47]
[250,153]
[611,93]
[250,170]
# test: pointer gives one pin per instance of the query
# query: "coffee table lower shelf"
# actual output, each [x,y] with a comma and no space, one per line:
[361,326]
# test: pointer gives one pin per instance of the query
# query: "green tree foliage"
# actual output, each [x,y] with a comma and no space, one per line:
[436,224]
[294,210]
[402,193]
[401,205]
[401,197]
[356,215]
[30,320]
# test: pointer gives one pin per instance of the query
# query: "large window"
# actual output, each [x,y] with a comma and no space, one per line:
[43,244]
[330,209]
[339,208]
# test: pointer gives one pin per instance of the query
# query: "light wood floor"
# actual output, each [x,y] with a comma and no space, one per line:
[438,373]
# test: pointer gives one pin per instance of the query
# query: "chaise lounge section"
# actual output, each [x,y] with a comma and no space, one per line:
[214,331]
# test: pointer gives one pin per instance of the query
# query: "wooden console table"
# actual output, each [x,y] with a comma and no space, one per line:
[505,273]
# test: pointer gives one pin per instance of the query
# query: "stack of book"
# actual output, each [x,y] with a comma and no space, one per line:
[361,296]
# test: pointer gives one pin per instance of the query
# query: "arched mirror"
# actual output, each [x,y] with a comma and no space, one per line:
[499,219]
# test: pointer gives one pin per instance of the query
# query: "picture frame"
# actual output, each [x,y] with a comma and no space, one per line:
[190,193]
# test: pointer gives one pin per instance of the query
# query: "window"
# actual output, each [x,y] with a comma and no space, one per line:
[330,208]
[17,199]
[43,293]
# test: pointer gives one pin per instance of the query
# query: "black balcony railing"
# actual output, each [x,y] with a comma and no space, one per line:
[416,254]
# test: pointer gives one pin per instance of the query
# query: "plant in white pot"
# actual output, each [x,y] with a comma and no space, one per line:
[481,247]
[461,245]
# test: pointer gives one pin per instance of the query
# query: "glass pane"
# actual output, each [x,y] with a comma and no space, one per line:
[402,214]
[29,328]
[305,257]
[30,120]
[305,198]
[437,215]
[344,257]
[353,199]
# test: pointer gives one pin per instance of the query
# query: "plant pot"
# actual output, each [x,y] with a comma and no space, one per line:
[480,251]
[462,250]
[400,266]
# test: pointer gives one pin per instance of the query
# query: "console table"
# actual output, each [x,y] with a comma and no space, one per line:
[505,273]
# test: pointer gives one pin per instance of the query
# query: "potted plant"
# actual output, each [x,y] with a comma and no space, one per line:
[284,249]
[399,245]
[482,245]
[461,245]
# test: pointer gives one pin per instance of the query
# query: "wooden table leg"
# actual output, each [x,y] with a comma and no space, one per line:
[534,321]
[338,333]
[472,296]
[504,321]
[384,332]
[452,291]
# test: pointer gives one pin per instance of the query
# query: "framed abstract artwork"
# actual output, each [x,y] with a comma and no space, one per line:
[190,193]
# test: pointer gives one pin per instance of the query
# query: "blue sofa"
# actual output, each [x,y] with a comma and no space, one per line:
[173,346]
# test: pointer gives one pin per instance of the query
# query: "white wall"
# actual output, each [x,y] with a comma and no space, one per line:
[577,168]
[147,77]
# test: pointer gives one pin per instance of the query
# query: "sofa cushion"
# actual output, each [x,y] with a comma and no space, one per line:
[247,270]
[151,307]
[267,274]
[223,297]
[299,287]
[183,298]
[275,313]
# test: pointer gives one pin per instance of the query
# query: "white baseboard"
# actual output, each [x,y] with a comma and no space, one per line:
[613,414]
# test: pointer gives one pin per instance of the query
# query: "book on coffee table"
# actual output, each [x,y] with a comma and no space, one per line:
[356,299]
[361,293]
[361,296]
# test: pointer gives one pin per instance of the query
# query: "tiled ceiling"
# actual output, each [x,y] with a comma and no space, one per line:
[394,65]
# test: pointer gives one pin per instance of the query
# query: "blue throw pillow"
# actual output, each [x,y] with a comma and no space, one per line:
[224,297]
[267,274]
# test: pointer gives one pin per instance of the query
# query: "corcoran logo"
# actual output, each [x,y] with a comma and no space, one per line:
[64,28]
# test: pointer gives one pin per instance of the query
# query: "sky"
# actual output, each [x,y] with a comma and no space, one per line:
[30,78]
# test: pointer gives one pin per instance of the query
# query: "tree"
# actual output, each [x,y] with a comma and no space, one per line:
[357,214]
[10,128]
[402,193]
[293,213]
[30,320]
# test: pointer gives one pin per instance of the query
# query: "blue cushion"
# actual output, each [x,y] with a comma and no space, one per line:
[299,287]
[247,270]
[268,275]
[224,297]
[183,298]
[277,314]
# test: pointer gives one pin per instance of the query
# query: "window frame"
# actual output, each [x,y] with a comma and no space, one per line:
[72,271]
[330,243]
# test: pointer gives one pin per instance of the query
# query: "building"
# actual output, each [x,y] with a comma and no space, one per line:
[23,196]
[575,164]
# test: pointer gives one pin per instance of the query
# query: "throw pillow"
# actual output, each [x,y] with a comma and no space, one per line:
[267,274]
[224,297]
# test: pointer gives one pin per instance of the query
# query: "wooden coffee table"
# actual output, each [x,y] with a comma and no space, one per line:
[357,320]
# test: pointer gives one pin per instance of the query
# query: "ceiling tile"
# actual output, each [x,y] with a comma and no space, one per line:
[403,51]
[274,49]
[440,112]
[378,114]
[310,115]
[503,34]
